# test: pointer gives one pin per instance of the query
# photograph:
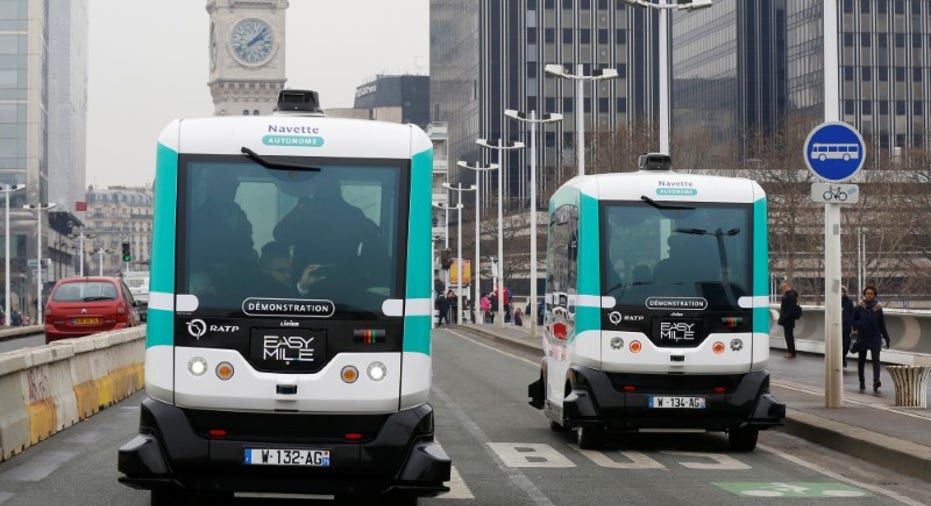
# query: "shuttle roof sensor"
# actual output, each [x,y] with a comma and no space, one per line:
[299,101]
[655,161]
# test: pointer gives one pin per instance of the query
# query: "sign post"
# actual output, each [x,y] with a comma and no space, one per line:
[834,151]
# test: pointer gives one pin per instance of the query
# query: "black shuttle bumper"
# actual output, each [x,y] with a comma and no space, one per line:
[386,453]
[622,401]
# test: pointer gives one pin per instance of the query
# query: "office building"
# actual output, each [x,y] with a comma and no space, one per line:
[488,55]
[396,98]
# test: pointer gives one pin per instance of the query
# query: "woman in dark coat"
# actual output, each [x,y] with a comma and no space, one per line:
[871,330]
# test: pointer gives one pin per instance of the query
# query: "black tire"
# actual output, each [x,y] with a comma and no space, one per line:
[558,428]
[589,437]
[743,439]
[168,496]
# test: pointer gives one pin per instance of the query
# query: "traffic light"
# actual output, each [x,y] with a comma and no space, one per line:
[127,255]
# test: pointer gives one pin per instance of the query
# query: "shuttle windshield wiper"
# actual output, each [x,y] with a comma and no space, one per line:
[252,155]
[663,205]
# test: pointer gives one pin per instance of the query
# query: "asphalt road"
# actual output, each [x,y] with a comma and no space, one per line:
[504,454]
[22,342]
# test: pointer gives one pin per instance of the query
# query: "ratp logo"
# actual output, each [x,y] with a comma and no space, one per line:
[197,328]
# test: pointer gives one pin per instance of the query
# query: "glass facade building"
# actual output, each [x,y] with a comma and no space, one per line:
[487,56]
[729,73]
[410,94]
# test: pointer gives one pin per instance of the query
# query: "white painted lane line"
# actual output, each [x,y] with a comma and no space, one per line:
[457,487]
[38,467]
[516,477]
[830,474]
[496,350]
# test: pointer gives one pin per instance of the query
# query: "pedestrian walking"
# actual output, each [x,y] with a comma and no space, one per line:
[846,306]
[485,304]
[442,309]
[517,317]
[870,324]
[452,308]
[789,311]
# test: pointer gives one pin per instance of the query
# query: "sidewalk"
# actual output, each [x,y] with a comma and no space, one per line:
[868,427]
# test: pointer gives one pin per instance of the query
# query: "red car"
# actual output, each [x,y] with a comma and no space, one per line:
[83,306]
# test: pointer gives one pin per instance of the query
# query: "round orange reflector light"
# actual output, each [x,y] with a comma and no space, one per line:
[718,347]
[349,374]
[224,370]
[635,346]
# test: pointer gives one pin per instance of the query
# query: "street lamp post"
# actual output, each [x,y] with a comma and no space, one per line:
[597,75]
[500,147]
[7,190]
[532,119]
[665,79]
[38,208]
[478,240]
[459,189]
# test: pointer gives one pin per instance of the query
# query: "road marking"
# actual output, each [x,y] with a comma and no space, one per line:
[6,496]
[780,489]
[883,407]
[457,487]
[637,460]
[818,469]
[492,348]
[516,477]
[89,437]
[530,455]
[721,462]
[39,466]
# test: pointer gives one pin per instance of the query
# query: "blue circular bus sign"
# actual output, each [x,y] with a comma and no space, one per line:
[834,151]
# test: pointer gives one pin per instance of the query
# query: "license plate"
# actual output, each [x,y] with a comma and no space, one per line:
[86,321]
[677,402]
[281,457]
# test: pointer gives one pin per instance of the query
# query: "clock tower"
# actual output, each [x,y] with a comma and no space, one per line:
[246,55]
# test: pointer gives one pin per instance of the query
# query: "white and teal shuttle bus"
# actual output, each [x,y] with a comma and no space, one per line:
[288,341]
[657,314]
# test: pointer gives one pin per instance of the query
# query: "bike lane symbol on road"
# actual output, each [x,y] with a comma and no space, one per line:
[792,489]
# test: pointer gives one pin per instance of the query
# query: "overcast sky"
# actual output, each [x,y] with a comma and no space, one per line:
[148,64]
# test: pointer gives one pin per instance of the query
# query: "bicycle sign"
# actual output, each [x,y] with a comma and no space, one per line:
[844,193]
[834,151]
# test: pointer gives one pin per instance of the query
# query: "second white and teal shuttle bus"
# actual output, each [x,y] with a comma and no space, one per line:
[657,313]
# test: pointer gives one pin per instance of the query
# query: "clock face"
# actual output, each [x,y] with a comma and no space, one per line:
[252,41]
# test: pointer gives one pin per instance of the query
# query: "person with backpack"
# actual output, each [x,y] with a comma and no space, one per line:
[789,311]
[870,324]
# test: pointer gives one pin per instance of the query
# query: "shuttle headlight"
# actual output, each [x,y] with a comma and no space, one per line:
[349,374]
[737,344]
[377,371]
[197,366]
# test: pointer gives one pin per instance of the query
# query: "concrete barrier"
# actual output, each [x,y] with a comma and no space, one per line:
[45,389]
[909,332]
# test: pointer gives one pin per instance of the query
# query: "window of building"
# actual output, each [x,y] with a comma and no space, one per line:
[567,35]
[622,71]
[549,104]
[882,40]
[866,107]
[917,107]
[900,107]
[588,104]
[916,7]
[531,5]
[621,105]
[245,112]
[881,6]
[899,7]
[883,107]
[531,69]
[585,4]
[549,35]
[900,40]
[549,4]
[900,140]
[567,139]
[567,4]
[882,74]
[866,73]
[585,36]
[865,6]
[848,73]
[531,34]
[549,139]
[604,104]
[567,104]
[900,74]
[603,4]
[531,103]
[916,40]
[848,39]
[620,36]
[848,6]
[865,40]
[916,74]
[603,35]
[849,107]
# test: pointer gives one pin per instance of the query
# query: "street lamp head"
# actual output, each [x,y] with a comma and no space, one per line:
[551,117]
[555,69]
[693,5]
[604,73]
[7,188]
[515,114]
